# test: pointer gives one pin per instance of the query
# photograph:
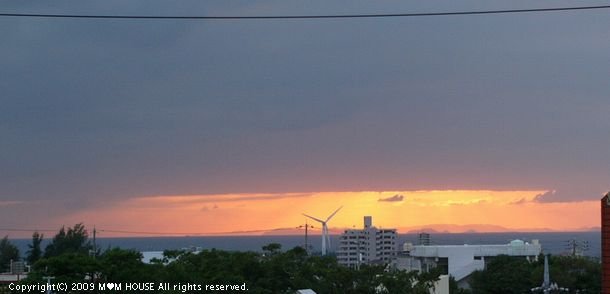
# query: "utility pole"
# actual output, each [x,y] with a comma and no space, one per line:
[94,242]
[48,278]
[577,248]
[306,226]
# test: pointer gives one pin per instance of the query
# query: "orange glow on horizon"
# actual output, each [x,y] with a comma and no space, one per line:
[405,210]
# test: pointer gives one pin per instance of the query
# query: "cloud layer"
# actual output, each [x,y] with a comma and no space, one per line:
[395,198]
[99,113]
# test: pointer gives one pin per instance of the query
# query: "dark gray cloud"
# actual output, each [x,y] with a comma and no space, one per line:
[96,111]
[208,208]
[568,194]
[395,198]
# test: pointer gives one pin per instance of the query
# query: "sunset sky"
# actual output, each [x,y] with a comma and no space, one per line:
[224,126]
[280,213]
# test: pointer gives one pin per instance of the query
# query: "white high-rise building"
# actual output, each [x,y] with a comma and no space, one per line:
[369,245]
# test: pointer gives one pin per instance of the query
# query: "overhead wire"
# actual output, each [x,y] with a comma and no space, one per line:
[312,16]
[157,233]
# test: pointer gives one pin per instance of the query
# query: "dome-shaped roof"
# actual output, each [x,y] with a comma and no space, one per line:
[517,243]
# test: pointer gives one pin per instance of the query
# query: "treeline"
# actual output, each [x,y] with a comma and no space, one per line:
[70,257]
[505,274]
[72,240]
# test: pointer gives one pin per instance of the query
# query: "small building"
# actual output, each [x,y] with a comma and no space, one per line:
[459,261]
[17,272]
[369,245]
[149,256]
[11,278]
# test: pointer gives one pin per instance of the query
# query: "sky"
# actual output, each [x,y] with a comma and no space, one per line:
[133,124]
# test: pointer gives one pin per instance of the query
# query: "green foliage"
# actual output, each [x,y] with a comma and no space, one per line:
[275,271]
[8,252]
[119,265]
[35,252]
[407,282]
[115,265]
[572,272]
[74,240]
[172,254]
[272,272]
[272,248]
[67,267]
[454,289]
[504,274]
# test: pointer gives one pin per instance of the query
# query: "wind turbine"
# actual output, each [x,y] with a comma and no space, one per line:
[325,237]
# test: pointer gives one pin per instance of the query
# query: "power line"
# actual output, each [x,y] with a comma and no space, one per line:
[193,234]
[156,232]
[27,230]
[328,16]
[190,233]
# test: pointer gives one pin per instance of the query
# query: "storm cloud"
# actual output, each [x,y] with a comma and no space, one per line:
[97,111]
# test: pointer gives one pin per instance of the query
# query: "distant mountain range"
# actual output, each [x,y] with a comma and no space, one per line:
[436,229]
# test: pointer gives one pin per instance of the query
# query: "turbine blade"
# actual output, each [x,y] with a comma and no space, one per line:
[334,213]
[313,218]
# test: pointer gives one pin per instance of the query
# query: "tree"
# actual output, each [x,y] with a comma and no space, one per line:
[74,240]
[35,253]
[577,273]
[504,274]
[120,265]
[67,267]
[454,289]
[8,253]
[277,272]
[397,281]
[272,248]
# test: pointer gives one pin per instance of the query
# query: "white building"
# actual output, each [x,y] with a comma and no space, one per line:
[149,256]
[368,245]
[460,261]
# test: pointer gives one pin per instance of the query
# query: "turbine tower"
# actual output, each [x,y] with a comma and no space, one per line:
[325,237]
